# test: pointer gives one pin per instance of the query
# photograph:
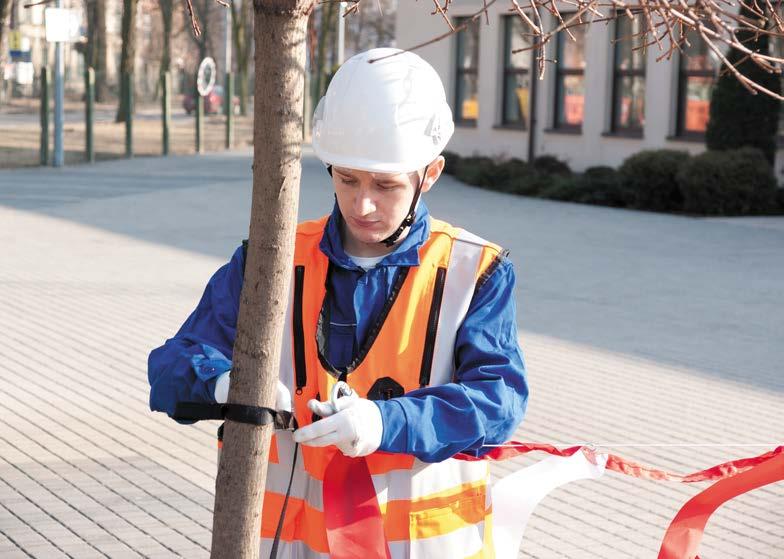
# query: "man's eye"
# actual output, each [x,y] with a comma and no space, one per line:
[347,181]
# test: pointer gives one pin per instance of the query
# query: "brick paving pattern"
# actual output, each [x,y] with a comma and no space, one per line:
[637,328]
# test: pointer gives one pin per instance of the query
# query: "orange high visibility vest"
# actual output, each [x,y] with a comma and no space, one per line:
[429,510]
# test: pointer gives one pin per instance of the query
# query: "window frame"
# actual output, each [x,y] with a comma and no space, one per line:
[683,80]
[461,71]
[618,75]
[560,73]
[509,72]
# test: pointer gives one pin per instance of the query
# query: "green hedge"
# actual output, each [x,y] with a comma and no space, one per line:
[649,182]
[733,182]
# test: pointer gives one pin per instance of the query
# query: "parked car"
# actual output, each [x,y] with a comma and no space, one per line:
[213,103]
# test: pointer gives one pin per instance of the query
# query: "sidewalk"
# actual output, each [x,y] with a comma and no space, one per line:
[637,328]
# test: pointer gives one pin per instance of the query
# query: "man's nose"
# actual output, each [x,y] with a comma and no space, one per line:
[363,202]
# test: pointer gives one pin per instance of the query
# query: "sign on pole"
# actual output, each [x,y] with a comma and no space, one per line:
[62,25]
[205,79]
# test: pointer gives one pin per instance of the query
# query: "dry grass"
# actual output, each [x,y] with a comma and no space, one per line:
[20,142]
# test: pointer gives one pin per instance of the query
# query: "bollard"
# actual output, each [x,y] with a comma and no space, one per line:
[166,111]
[199,122]
[128,92]
[89,114]
[229,109]
[44,149]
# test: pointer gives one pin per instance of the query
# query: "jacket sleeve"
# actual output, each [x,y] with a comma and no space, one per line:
[186,367]
[488,399]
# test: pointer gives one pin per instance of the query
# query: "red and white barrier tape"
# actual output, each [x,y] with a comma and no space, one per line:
[355,526]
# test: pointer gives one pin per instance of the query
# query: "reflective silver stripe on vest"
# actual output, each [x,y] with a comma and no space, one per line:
[458,291]
[289,550]
[286,356]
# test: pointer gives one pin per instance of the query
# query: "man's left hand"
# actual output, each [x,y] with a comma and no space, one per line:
[355,427]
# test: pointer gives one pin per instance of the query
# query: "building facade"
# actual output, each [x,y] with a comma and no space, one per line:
[601,98]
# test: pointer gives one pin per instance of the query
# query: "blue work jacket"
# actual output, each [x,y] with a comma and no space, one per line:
[483,406]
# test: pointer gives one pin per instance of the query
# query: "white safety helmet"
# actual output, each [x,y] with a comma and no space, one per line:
[389,116]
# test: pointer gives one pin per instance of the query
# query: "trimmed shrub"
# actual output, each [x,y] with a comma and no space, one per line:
[601,185]
[732,182]
[511,173]
[478,171]
[648,180]
[780,200]
[451,162]
[551,165]
[560,187]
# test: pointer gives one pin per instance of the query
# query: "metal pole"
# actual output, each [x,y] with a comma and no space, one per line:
[128,91]
[58,100]
[341,33]
[229,106]
[199,122]
[89,114]
[45,81]
[166,111]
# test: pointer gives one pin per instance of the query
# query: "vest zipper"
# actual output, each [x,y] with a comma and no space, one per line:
[432,328]
[299,332]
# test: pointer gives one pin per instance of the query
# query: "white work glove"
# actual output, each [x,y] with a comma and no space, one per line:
[282,396]
[353,424]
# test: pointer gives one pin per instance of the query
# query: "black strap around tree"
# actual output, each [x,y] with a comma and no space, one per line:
[253,415]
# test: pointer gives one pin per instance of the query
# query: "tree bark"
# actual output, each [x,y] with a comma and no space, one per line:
[242,28]
[279,33]
[167,15]
[5,10]
[99,56]
[325,34]
[128,52]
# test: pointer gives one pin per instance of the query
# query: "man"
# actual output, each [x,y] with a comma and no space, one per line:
[416,316]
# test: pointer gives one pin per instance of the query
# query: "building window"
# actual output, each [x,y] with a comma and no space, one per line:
[697,77]
[628,101]
[570,78]
[467,72]
[517,74]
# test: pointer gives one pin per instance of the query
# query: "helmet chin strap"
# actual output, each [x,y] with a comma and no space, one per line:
[408,221]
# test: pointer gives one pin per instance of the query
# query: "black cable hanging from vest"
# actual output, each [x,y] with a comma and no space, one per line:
[410,218]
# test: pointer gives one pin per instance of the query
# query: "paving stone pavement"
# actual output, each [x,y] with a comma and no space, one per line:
[637,328]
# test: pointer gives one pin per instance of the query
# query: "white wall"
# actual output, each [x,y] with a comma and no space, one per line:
[594,146]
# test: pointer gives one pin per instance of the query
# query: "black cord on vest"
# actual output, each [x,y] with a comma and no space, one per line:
[279,529]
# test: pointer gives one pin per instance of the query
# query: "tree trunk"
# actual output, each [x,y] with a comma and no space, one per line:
[241,23]
[277,134]
[128,52]
[99,56]
[167,14]
[5,9]
[325,33]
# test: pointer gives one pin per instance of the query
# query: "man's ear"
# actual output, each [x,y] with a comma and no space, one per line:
[434,171]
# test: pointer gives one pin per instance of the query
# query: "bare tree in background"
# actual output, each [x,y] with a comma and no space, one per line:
[95,49]
[280,44]
[127,55]
[167,18]
[5,10]
[242,34]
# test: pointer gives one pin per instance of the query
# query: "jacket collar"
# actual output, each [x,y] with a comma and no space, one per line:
[406,252]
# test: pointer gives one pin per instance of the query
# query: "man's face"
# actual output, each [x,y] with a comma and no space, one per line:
[373,204]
